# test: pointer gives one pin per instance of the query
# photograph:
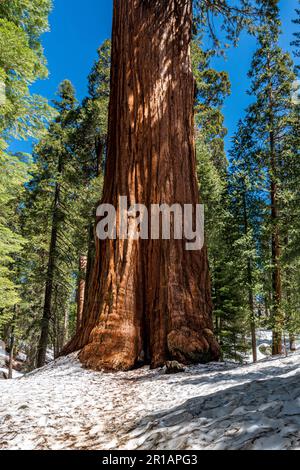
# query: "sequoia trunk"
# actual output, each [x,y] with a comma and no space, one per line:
[149,300]
[81,290]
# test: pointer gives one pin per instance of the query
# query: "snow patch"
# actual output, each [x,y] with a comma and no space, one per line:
[214,406]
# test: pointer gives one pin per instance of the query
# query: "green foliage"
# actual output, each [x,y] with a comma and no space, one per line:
[69,157]
[13,174]
[238,219]
[212,89]
[232,16]
[296,41]
[21,63]
[22,115]
[265,153]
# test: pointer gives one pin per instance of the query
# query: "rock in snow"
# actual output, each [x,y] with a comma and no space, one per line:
[215,406]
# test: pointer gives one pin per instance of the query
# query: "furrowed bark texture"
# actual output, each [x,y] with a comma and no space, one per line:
[149,300]
[81,290]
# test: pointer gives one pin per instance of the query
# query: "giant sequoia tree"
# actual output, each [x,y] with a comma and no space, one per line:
[149,300]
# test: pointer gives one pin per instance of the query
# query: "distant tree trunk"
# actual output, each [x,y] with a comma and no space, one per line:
[43,342]
[90,261]
[65,335]
[60,328]
[250,287]
[292,341]
[100,151]
[11,353]
[276,274]
[149,300]
[12,344]
[276,252]
[285,346]
[81,290]
[288,317]
[76,342]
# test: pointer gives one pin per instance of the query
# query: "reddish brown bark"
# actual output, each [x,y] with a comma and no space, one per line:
[81,290]
[149,300]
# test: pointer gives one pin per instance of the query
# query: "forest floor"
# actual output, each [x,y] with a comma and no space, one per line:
[215,406]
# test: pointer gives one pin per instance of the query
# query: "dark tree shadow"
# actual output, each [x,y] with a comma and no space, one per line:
[262,414]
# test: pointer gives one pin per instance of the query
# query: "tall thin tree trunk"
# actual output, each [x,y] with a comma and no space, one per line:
[288,317]
[65,335]
[90,258]
[276,252]
[77,342]
[12,344]
[11,352]
[292,342]
[149,300]
[276,274]
[81,290]
[43,342]
[250,286]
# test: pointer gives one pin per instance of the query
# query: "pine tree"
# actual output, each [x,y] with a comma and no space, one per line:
[22,115]
[212,88]
[56,156]
[90,142]
[64,185]
[290,173]
[13,174]
[296,42]
[247,208]
[23,62]
[269,120]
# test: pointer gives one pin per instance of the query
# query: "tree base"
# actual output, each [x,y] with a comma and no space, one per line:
[185,346]
[191,347]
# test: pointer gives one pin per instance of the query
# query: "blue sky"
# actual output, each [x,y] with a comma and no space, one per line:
[78,28]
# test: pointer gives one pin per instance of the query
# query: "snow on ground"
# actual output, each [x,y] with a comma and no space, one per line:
[216,406]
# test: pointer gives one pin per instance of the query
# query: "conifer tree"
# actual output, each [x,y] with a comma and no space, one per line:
[21,24]
[59,162]
[268,118]
[296,41]
[247,209]
[64,202]
[22,115]
[13,174]
[90,142]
